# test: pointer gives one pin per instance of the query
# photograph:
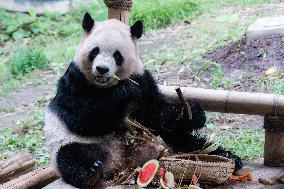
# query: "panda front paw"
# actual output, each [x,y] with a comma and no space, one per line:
[198,118]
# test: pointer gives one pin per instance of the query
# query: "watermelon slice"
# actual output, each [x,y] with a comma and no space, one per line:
[147,172]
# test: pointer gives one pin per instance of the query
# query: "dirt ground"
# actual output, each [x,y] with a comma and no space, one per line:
[257,57]
[21,103]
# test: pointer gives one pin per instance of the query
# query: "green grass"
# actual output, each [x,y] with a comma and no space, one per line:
[7,81]
[278,87]
[245,143]
[160,13]
[28,137]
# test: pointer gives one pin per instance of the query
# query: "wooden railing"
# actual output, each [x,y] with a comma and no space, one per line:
[270,106]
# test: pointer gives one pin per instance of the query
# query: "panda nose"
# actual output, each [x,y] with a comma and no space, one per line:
[102,69]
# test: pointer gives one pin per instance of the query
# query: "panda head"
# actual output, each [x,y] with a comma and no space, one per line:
[108,51]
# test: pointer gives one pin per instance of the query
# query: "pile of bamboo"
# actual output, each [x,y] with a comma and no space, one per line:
[20,172]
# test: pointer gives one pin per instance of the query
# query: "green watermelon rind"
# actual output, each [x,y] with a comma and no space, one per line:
[195,187]
[163,184]
[152,177]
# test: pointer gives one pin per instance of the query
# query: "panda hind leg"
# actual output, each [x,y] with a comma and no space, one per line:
[81,165]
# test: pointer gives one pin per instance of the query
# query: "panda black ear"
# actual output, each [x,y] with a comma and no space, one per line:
[137,29]
[88,22]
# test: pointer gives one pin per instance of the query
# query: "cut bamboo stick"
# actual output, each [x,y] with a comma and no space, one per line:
[35,179]
[187,114]
[15,166]
[230,101]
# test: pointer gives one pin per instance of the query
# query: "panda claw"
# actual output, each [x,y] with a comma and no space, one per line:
[98,163]
[97,166]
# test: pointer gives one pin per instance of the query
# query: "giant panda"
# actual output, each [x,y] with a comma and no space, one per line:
[104,84]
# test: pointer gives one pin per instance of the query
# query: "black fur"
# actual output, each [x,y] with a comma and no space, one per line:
[137,29]
[88,23]
[90,110]
[118,58]
[163,116]
[81,164]
[93,54]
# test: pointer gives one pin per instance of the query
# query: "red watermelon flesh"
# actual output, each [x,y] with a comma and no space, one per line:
[147,172]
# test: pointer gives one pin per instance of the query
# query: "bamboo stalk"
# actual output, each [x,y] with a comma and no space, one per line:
[187,114]
[35,179]
[230,101]
[15,166]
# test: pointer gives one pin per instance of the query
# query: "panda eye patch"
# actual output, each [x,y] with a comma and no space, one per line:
[118,58]
[94,53]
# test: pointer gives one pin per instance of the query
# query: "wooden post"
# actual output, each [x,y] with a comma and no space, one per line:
[122,15]
[119,9]
[274,141]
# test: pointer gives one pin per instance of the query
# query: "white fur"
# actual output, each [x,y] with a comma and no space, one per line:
[105,60]
[58,135]
[109,36]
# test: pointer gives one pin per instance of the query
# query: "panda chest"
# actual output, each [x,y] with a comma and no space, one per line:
[112,102]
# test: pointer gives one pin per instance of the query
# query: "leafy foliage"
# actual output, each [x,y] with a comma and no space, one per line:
[20,25]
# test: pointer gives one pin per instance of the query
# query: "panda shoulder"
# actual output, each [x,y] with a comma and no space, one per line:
[146,82]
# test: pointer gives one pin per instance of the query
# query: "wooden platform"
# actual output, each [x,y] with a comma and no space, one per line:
[257,169]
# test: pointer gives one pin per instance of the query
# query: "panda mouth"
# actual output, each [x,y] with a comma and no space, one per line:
[102,79]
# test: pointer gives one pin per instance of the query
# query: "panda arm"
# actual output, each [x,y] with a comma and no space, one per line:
[164,116]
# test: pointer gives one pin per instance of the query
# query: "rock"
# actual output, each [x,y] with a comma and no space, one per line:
[265,26]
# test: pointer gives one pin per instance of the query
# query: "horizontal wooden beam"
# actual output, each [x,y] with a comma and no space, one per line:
[230,101]
[15,166]
[34,179]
